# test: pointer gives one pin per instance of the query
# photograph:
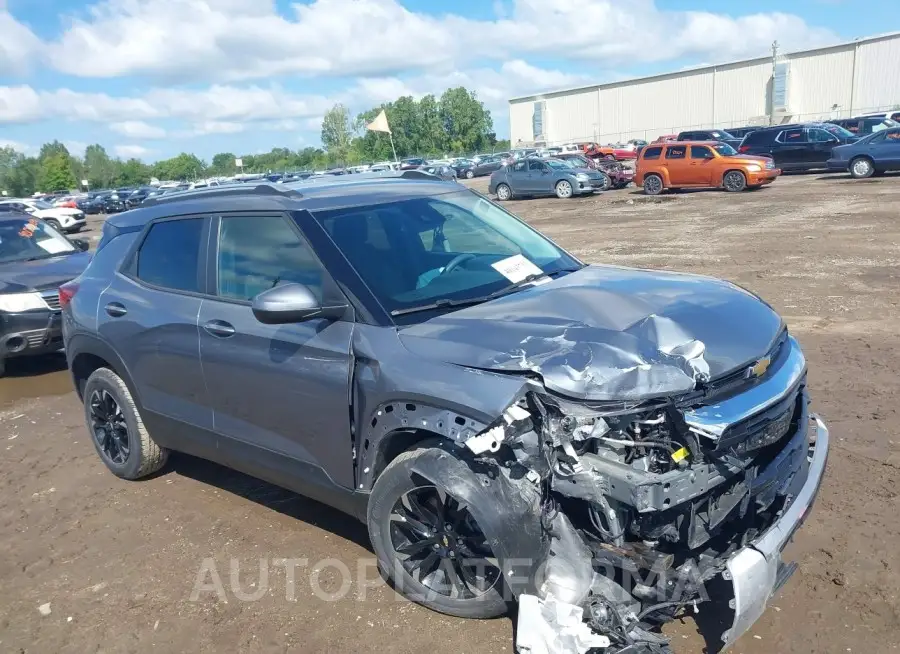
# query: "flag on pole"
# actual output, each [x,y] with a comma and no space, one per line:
[380,124]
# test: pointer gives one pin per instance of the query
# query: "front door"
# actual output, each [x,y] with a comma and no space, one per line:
[701,165]
[821,143]
[281,391]
[149,315]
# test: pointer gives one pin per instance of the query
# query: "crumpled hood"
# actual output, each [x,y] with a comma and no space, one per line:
[607,333]
[24,276]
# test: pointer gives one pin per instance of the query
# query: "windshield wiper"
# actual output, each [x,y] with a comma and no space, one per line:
[443,303]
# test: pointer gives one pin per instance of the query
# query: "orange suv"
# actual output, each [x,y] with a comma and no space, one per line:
[698,164]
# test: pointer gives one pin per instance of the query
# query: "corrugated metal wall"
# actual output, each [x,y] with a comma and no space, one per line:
[821,84]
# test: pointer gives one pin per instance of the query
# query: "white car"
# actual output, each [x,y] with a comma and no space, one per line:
[63,219]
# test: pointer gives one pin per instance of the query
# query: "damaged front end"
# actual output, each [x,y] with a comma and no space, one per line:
[610,519]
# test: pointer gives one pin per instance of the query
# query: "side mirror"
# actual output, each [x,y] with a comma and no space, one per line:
[292,303]
[81,244]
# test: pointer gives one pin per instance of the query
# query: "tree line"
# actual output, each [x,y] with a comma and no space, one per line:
[457,123]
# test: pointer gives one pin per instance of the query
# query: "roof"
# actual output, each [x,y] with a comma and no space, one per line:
[699,69]
[329,192]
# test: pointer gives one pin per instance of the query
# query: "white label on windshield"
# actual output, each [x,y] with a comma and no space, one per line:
[53,246]
[516,268]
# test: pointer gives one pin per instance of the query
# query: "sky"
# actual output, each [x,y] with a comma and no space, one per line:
[152,78]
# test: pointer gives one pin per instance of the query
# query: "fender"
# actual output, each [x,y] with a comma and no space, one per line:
[507,511]
[90,344]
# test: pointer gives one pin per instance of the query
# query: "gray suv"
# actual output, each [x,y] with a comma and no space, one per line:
[511,424]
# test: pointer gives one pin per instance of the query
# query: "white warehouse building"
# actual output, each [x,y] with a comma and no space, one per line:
[838,81]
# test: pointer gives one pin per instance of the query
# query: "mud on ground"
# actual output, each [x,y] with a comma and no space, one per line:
[92,563]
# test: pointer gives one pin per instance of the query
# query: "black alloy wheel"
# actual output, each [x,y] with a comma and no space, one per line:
[439,544]
[108,427]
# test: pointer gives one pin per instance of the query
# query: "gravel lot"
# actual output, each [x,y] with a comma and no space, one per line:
[92,563]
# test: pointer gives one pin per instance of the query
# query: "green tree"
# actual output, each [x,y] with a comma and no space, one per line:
[466,122]
[132,173]
[223,164]
[50,149]
[56,173]
[337,133]
[182,167]
[99,168]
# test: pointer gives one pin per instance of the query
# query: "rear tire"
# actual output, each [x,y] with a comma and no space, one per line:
[393,487]
[469,174]
[653,184]
[504,193]
[861,167]
[2,367]
[116,428]
[734,181]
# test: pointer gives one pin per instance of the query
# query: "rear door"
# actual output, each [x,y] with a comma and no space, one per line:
[148,313]
[280,392]
[790,150]
[677,164]
[517,176]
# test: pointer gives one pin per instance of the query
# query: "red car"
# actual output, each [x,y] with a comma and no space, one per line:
[665,138]
[610,152]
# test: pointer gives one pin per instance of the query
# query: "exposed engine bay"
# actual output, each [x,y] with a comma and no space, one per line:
[619,517]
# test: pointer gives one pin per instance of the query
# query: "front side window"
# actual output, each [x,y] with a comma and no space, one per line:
[676,152]
[29,239]
[701,152]
[536,166]
[652,153]
[257,253]
[435,248]
[820,136]
[169,257]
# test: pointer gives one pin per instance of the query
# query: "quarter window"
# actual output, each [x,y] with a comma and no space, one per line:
[652,153]
[676,152]
[257,253]
[701,152]
[170,255]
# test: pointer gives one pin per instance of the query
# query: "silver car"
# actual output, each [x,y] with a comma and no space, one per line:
[531,177]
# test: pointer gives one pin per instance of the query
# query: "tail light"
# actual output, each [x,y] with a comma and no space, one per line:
[66,292]
[743,149]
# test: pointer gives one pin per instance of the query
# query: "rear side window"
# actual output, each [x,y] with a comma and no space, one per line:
[796,135]
[652,153]
[676,152]
[170,255]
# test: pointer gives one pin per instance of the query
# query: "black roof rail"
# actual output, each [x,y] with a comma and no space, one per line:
[218,191]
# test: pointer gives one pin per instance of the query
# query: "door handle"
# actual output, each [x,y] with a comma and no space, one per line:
[116,309]
[219,328]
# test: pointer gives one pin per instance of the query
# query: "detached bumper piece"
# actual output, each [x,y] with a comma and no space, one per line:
[757,571]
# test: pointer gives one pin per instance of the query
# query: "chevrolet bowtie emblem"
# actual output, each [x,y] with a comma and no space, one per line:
[759,368]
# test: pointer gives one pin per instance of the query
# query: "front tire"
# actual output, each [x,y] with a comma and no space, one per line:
[563,189]
[735,181]
[420,555]
[653,185]
[610,157]
[54,223]
[116,428]
[861,167]
[605,182]
[504,193]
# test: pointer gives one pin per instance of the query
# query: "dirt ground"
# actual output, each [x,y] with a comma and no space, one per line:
[90,563]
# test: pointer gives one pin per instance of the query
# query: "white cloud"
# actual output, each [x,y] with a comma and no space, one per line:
[138,129]
[18,44]
[240,39]
[129,151]
[17,146]
[76,148]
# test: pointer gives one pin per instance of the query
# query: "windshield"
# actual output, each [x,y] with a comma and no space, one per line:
[716,134]
[26,240]
[724,149]
[887,123]
[837,130]
[448,247]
